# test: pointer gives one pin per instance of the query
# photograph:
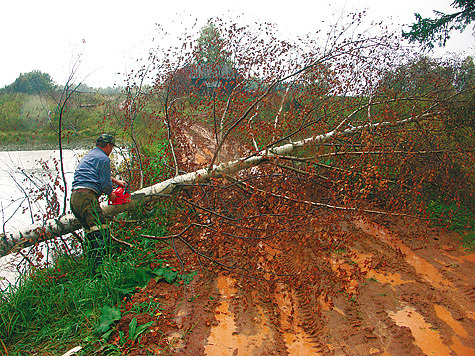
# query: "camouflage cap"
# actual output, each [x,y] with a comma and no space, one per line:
[106,138]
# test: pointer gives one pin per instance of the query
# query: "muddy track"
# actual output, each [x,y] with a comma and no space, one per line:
[412,293]
[405,289]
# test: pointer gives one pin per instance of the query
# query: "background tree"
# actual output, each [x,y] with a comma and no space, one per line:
[210,46]
[34,82]
[431,31]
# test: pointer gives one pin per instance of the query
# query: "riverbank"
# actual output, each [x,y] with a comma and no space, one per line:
[42,146]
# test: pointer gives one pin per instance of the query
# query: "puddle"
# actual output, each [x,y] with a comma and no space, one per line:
[463,258]
[470,257]
[422,267]
[444,314]
[393,279]
[223,339]
[427,339]
[460,349]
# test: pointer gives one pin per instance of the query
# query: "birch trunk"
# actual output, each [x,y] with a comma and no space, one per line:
[65,224]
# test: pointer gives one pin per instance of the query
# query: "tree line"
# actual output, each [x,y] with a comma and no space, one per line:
[29,109]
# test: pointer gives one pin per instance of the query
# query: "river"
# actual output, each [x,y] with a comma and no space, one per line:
[24,176]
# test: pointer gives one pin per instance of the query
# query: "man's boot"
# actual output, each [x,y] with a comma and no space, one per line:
[101,240]
[98,249]
[92,250]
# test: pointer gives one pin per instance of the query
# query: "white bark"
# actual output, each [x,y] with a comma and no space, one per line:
[68,223]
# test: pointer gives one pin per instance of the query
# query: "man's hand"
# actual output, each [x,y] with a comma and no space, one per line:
[112,197]
[120,183]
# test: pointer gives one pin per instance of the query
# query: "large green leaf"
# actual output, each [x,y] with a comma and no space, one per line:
[166,273]
[108,316]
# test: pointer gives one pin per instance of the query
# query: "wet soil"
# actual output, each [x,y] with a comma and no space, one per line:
[414,294]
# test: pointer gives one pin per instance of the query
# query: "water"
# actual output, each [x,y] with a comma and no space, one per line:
[24,177]
[21,174]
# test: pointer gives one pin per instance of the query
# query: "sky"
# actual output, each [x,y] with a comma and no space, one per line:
[109,37]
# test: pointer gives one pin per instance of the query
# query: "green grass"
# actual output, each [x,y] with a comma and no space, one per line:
[54,309]
[454,217]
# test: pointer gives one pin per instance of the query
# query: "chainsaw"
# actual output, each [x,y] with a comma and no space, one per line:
[122,195]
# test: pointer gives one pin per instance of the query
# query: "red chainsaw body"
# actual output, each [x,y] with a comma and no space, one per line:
[122,195]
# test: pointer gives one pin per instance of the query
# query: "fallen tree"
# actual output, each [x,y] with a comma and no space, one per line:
[67,223]
[343,100]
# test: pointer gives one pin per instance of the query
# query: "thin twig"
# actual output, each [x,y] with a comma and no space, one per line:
[4,347]
[121,241]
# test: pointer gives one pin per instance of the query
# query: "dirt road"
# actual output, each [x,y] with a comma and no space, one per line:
[415,296]
[406,289]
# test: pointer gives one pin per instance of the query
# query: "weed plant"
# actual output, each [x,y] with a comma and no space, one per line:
[456,217]
[54,309]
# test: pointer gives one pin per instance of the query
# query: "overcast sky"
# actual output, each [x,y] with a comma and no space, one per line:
[48,35]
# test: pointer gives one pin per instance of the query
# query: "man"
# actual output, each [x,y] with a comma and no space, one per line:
[92,178]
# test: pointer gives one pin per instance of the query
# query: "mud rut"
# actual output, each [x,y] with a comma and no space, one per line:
[414,294]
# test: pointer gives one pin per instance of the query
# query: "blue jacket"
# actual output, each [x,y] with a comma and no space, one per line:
[94,172]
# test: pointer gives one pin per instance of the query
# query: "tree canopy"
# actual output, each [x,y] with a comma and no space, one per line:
[210,45]
[33,82]
[428,31]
